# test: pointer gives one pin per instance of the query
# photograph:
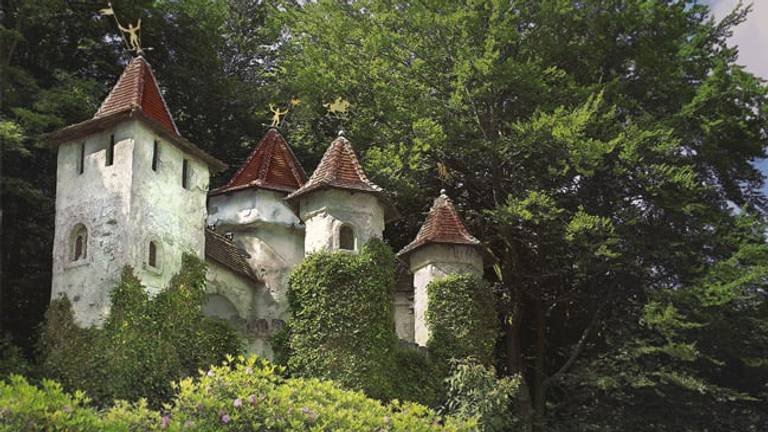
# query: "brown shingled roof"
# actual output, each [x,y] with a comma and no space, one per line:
[223,251]
[444,226]
[137,88]
[271,165]
[134,96]
[339,168]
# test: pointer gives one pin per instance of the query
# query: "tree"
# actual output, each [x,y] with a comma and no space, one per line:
[595,145]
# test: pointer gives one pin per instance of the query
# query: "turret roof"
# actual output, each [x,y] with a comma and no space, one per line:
[444,226]
[340,169]
[271,165]
[223,251]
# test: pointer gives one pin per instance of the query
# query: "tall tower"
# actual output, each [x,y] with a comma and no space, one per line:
[130,190]
[252,208]
[340,207]
[442,247]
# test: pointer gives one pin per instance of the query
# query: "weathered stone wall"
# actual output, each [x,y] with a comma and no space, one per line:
[123,207]
[325,212]
[404,317]
[265,226]
[245,304]
[100,199]
[433,262]
[163,211]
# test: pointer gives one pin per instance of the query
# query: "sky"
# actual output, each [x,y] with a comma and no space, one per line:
[752,39]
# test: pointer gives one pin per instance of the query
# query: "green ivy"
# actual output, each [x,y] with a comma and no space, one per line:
[144,344]
[342,325]
[462,318]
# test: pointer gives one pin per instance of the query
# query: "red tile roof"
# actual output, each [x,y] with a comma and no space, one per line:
[340,169]
[444,226]
[223,251]
[137,88]
[272,165]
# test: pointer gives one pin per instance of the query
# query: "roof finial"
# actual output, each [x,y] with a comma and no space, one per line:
[277,114]
[341,132]
[443,193]
[130,34]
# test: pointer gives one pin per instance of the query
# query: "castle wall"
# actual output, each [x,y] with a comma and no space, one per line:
[100,200]
[324,212]
[164,212]
[266,227]
[435,261]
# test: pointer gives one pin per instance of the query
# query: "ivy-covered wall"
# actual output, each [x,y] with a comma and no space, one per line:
[342,325]
[462,318]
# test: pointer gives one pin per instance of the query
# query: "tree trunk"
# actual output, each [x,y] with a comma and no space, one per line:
[540,387]
[517,365]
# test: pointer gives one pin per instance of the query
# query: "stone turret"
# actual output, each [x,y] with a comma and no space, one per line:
[442,247]
[340,207]
[130,190]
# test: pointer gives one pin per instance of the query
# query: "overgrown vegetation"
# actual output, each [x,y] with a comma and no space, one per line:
[145,343]
[342,324]
[240,395]
[462,318]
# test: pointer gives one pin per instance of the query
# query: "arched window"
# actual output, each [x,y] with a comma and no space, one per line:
[152,260]
[346,238]
[79,242]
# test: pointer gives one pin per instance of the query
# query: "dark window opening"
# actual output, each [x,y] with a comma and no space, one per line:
[155,156]
[81,162]
[79,243]
[185,174]
[346,238]
[152,261]
[111,151]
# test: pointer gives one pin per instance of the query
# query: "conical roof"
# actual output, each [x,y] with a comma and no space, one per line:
[340,169]
[271,165]
[137,89]
[444,226]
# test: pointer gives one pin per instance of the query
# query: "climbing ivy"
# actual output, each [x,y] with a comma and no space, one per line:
[144,345]
[462,318]
[343,325]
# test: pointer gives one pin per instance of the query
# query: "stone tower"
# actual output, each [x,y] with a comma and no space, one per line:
[130,190]
[442,247]
[252,208]
[340,207]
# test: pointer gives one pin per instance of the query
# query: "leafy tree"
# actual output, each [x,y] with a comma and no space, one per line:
[596,145]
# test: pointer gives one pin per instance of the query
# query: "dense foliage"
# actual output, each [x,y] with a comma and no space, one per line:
[240,395]
[462,316]
[598,146]
[474,391]
[144,345]
[342,324]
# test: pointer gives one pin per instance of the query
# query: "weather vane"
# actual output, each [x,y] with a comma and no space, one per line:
[339,106]
[130,34]
[277,114]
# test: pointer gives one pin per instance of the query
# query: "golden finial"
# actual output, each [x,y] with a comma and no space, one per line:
[277,114]
[295,101]
[130,34]
[338,106]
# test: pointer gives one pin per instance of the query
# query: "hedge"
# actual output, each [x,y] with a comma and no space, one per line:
[241,395]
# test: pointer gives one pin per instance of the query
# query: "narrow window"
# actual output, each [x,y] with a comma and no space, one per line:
[111,151]
[346,238]
[185,174]
[152,261]
[81,161]
[79,239]
[155,156]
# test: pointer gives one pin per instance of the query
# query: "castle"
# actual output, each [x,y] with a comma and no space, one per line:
[130,190]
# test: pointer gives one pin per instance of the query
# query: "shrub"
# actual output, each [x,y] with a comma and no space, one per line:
[417,378]
[12,360]
[342,325]
[462,318]
[474,391]
[243,395]
[144,344]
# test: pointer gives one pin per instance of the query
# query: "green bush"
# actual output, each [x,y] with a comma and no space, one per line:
[474,392]
[462,318]
[244,395]
[342,325]
[12,360]
[417,378]
[144,344]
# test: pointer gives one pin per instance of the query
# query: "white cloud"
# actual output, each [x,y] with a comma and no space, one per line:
[751,36]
